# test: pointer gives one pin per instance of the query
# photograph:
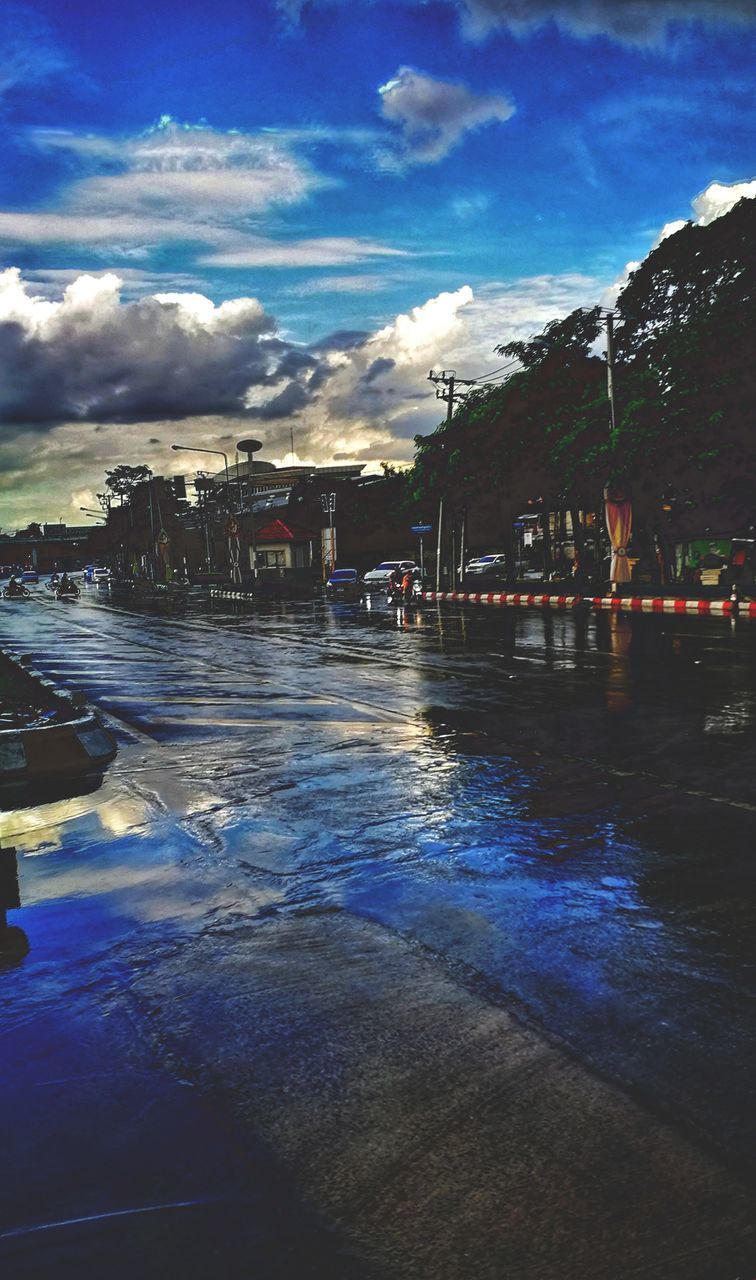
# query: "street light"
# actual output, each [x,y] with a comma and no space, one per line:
[190,448]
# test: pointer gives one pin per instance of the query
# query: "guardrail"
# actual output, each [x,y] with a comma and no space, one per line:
[615,604]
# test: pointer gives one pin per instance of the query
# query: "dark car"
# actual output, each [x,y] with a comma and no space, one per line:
[344,584]
[29,575]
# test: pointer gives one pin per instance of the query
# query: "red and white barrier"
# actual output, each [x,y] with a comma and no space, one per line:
[632,604]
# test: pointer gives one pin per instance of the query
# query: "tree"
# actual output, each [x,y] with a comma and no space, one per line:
[123,480]
[685,399]
[540,438]
[686,382]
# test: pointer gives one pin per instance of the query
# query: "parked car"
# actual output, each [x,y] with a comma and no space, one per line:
[344,584]
[29,575]
[493,564]
[376,579]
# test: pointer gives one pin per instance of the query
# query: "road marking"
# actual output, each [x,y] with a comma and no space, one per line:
[16,1232]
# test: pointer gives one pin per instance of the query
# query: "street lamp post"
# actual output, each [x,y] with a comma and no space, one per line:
[190,448]
[251,447]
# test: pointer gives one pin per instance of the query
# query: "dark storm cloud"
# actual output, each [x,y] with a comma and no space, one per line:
[638,22]
[341,340]
[626,21]
[434,115]
[91,357]
[382,365]
[288,402]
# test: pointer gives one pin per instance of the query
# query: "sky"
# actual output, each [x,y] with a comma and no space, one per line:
[274,217]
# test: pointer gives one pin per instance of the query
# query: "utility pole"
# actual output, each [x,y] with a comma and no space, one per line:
[449,380]
[609,318]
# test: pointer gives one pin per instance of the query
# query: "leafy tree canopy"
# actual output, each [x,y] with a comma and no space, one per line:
[685,393]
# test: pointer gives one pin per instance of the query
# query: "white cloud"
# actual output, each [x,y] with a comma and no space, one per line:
[469,205]
[116,235]
[719,198]
[378,395]
[174,166]
[83,498]
[342,284]
[328,251]
[103,229]
[50,281]
[178,184]
[434,115]
[217,175]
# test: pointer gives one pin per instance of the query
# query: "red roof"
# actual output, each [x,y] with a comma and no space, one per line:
[277,531]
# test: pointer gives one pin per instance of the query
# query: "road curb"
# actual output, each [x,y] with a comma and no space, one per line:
[613,604]
[76,746]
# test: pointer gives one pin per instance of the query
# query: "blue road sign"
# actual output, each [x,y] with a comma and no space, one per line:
[421,528]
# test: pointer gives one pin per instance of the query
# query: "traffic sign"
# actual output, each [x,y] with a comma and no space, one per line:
[421,528]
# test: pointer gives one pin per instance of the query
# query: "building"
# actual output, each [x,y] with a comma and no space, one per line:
[270,487]
[284,546]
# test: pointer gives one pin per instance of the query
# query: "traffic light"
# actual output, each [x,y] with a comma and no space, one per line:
[178,485]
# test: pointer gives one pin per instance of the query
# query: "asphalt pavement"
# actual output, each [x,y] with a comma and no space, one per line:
[395,943]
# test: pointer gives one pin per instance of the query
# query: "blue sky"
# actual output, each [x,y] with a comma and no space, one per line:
[286,213]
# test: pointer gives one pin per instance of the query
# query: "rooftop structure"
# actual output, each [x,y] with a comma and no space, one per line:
[266,476]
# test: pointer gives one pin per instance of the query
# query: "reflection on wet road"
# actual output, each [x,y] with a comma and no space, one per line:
[558,810]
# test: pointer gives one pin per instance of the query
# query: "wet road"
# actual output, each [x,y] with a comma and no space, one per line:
[549,816]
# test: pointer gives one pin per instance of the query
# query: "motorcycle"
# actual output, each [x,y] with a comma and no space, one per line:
[395,597]
[70,592]
[19,593]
